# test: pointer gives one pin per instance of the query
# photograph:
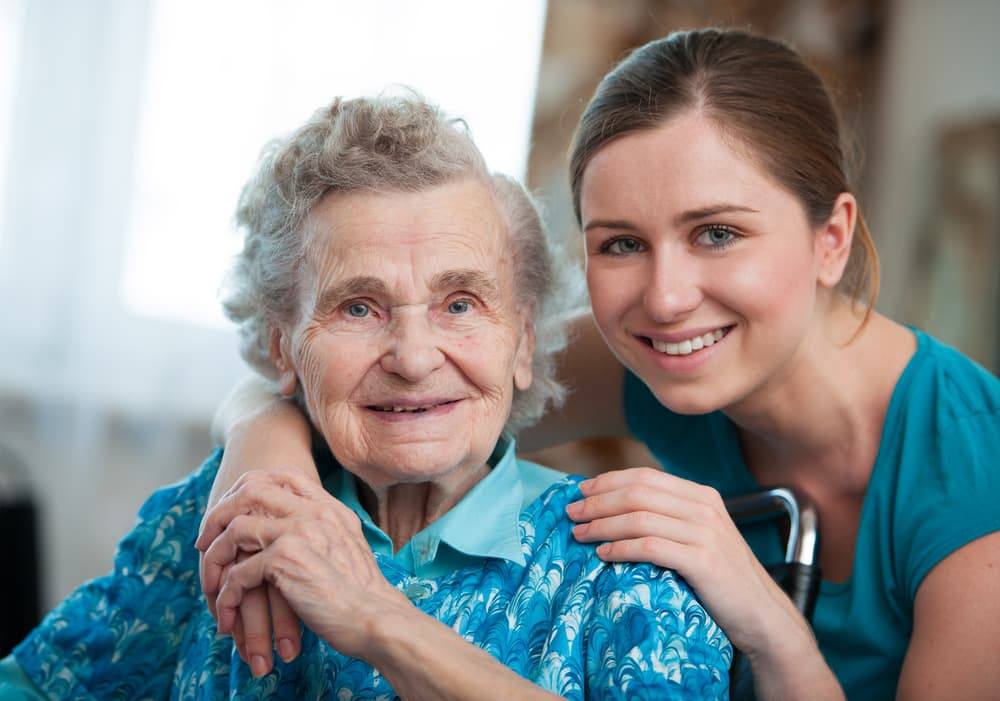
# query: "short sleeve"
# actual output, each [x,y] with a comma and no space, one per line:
[118,636]
[649,638]
[956,502]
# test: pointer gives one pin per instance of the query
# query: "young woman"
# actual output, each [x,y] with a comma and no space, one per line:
[732,279]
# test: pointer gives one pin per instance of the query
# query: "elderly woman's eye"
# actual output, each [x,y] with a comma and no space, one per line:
[358,310]
[459,306]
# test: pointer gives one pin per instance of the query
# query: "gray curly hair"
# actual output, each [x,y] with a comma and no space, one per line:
[386,144]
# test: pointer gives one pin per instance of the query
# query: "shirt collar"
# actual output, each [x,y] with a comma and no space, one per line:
[484,523]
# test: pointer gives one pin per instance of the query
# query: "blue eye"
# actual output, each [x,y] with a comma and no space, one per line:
[459,306]
[621,246]
[358,310]
[717,237]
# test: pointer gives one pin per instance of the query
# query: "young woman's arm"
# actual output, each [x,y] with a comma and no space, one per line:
[956,626]
[260,430]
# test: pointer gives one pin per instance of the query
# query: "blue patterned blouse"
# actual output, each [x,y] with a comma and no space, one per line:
[569,622]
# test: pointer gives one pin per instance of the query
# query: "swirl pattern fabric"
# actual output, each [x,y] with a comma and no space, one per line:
[575,625]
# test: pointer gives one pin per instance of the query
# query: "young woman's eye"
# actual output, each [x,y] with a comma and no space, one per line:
[358,310]
[621,246]
[459,306]
[717,237]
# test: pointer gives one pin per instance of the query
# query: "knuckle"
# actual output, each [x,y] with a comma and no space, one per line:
[647,546]
[641,520]
[648,475]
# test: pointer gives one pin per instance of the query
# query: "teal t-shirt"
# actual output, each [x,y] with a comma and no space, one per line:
[935,487]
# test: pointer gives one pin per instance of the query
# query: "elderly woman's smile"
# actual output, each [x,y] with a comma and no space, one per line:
[409,341]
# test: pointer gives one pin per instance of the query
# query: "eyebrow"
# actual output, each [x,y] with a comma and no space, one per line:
[475,281]
[687,217]
[360,286]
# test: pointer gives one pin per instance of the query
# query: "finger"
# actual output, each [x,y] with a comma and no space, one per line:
[256,622]
[239,640]
[256,497]
[209,598]
[638,524]
[287,632]
[236,582]
[636,498]
[244,533]
[657,551]
[651,478]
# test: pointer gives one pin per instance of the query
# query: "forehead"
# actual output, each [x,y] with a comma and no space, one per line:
[456,224]
[685,161]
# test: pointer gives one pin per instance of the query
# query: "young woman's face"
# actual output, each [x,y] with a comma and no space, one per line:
[702,269]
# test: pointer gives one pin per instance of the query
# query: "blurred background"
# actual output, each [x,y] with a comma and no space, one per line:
[128,126]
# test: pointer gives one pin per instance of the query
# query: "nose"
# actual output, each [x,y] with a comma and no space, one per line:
[675,289]
[413,352]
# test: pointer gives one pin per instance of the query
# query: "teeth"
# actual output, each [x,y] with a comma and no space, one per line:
[400,409]
[690,345]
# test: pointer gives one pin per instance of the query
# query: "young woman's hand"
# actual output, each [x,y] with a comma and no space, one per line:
[646,515]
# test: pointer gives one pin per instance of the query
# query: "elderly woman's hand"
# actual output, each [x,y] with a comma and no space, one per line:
[305,544]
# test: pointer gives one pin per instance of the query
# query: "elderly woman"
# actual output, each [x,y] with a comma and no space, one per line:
[406,298]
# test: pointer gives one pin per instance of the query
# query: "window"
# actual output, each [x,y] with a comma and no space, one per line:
[224,77]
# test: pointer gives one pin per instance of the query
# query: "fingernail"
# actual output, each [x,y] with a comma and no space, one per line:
[580,529]
[585,485]
[258,665]
[574,509]
[286,650]
[602,550]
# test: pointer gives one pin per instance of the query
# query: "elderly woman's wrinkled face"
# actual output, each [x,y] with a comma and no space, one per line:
[409,342]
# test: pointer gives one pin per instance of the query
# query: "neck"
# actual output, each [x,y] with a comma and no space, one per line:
[820,420]
[402,510]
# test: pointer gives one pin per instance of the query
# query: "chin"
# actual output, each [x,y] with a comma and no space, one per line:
[408,463]
[690,401]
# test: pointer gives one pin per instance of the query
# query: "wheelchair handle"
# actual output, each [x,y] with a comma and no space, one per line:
[803,531]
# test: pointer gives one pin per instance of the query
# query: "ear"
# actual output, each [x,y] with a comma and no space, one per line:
[833,240]
[525,356]
[281,358]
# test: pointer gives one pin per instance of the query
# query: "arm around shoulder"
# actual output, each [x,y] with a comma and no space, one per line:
[261,430]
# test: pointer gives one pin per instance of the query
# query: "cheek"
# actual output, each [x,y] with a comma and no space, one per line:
[773,286]
[330,368]
[613,292]
[486,359]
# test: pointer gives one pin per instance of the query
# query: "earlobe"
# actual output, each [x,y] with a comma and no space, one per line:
[833,240]
[287,380]
[524,360]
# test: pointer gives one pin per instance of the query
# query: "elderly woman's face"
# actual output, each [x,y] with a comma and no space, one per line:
[409,342]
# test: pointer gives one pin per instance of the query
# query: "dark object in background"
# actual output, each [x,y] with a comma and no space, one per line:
[19,610]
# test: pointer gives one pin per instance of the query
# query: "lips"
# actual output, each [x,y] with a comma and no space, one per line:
[683,343]
[410,406]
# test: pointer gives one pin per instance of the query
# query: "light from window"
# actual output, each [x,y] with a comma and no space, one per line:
[10,35]
[224,77]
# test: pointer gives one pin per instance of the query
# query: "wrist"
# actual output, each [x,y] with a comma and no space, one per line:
[394,633]
[789,664]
